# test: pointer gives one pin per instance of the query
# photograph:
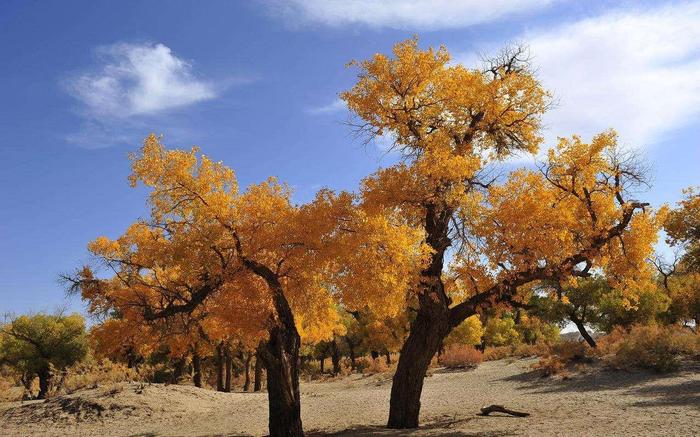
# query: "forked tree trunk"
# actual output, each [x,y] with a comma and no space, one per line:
[44,382]
[197,369]
[281,357]
[246,384]
[430,327]
[257,373]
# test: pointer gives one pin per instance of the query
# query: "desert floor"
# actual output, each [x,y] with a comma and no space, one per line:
[596,403]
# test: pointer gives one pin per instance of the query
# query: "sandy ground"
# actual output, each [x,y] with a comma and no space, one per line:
[598,403]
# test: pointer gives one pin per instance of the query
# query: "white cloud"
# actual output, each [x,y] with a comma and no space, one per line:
[399,14]
[633,70]
[337,105]
[138,80]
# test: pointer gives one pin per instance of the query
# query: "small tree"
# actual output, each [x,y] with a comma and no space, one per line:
[36,344]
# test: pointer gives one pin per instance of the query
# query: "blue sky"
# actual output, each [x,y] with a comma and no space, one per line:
[255,84]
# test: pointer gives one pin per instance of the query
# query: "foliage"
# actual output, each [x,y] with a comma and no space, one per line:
[653,347]
[34,344]
[469,332]
[500,332]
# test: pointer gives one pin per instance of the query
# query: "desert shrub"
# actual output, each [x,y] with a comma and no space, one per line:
[650,346]
[101,373]
[493,353]
[563,355]
[369,366]
[460,356]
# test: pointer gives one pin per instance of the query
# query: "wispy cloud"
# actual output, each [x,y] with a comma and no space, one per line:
[634,70]
[399,14]
[337,105]
[130,82]
[139,79]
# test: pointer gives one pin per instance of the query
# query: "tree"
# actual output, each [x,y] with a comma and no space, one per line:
[37,344]
[449,122]
[251,258]
[681,279]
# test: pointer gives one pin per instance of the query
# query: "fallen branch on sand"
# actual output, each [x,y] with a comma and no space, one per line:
[485,411]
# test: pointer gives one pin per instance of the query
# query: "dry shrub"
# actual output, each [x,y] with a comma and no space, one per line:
[103,373]
[497,353]
[10,390]
[650,346]
[563,355]
[368,366]
[460,356]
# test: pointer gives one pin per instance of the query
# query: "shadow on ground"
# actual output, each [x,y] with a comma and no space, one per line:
[634,383]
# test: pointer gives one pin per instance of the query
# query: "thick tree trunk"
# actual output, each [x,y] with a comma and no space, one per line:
[197,369]
[427,332]
[246,384]
[220,367]
[281,357]
[257,374]
[44,382]
[584,333]
[229,365]
[431,326]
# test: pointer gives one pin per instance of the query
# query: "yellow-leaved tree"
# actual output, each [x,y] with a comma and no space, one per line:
[215,259]
[450,122]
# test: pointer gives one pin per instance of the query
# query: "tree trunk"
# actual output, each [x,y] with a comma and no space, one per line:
[257,374]
[374,355]
[427,332]
[321,361]
[246,384]
[229,365]
[431,326]
[335,357]
[197,369]
[178,370]
[44,382]
[387,354]
[582,330]
[351,352]
[281,357]
[220,367]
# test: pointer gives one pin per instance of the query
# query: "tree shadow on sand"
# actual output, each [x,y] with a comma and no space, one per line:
[637,383]
[434,428]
